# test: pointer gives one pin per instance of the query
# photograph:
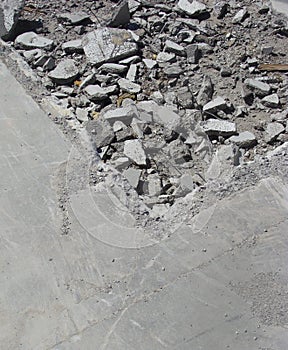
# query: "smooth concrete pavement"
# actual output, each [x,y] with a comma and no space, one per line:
[218,282]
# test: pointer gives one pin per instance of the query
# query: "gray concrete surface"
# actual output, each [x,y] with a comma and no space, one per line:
[280,6]
[218,282]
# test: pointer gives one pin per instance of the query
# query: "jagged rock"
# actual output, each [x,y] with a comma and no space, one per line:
[185,97]
[178,152]
[258,87]
[173,71]
[206,91]
[218,104]
[215,127]
[31,40]
[108,45]
[81,114]
[192,8]
[192,53]
[154,185]
[272,131]
[73,46]
[165,57]
[132,72]
[101,132]
[74,18]
[170,46]
[65,72]
[113,68]
[123,114]
[133,149]
[271,101]
[165,116]
[133,176]
[221,8]
[245,139]
[121,17]
[32,55]
[9,13]
[150,64]
[98,93]
[240,16]
[128,86]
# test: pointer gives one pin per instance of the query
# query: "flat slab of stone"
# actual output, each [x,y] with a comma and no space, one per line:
[218,127]
[108,45]
[245,139]
[134,150]
[258,86]
[192,8]
[31,40]
[65,72]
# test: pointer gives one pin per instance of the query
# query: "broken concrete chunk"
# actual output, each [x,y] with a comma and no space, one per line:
[215,127]
[165,116]
[96,93]
[179,152]
[113,68]
[185,97]
[108,45]
[170,46]
[101,132]
[192,8]
[258,87]
[240,16]
[173,71]
[154,185]
[132,72]
[218,104]
[150,64]
[245,139]
[128,86]
[9,13]
[206,91]
[271,101]
[73,46]
[221,8]
[164,57]
[187,183]
[32,55]
[133,176]
[272,131]
[74,18]
[65,72]
[31,40]
[123,114]
[133,149]
[192,53]
[121,16]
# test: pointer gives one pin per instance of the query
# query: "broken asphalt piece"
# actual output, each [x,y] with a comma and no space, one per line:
[31,40]
[65,72]
[108,45]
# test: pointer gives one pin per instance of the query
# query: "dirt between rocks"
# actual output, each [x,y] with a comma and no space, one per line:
[169,93]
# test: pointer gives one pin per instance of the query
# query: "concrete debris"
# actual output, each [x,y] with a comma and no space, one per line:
[121,16]
[124,114]
[128,86]
[108,45]
[271,101]
[165,57]
[73,46]
[97,93]
[65,72]
[215,127]
[170,46]
[245,139]
[101,132]
[113,68]
[272,131]
[206,91]
[218,104]
[240,16]
[133,176]
[133,149]
[74,18]
[9,13]
[150,64]
[31,40]
[258,87]
[192,8]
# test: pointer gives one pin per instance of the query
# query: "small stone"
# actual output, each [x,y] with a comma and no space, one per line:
[82,114]
[150,64]
[185,97]
[215,127]
[96,93]
[271,101]
[32,55]
[258,87]
[170,46]
[132,73]
[192,53]
[73,46]
[221,9]
[173,71]
[165,116]
[128,86]
[74,18]
[187,183]
[193,8]
[124,114]
[49,64]
[121,16]
[133,176]
[165,57]
[240,16]
[154,185]
[65,72]
[206,91]
[118,126]
[133,149]
[272,131]
[113,68]
[218,104]
[108,45]
[245,139]
[31,40]
[267,50]
[100,132]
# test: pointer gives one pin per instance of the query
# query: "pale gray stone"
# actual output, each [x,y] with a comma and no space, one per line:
[150,64]
[218,104]
[258,86]
[65,72]
[73,46]
[81,114]
[272,131]
[245,139]
[133,176]
[240,15]
[271,101]
[101,132]
[9,13]
[32,55]
[134,150]
[108,45]
[113,68]
[154,185]
[31,40]
[128,86]
[218,127]
[171,46]
[96,93]
[192,8]
[206,91]
[132,73]
[164,57]
[123,114]
[74,18]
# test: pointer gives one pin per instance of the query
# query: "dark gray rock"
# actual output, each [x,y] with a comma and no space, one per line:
[121,16]
[100,131]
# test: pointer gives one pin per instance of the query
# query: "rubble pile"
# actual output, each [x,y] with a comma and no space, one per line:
[172,93]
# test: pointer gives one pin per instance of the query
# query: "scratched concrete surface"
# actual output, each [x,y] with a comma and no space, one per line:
[218,282]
